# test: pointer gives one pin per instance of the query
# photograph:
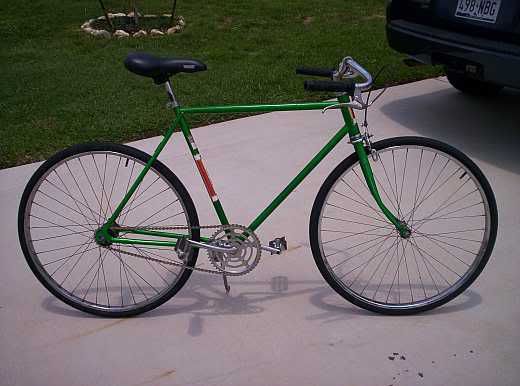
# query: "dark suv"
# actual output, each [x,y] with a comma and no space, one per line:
[477,41]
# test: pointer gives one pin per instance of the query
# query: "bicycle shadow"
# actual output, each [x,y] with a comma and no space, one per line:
[485,128]
[204,297]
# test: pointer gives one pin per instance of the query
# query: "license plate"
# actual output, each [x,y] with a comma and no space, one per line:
[481,10]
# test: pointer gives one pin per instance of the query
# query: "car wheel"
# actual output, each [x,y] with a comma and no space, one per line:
[472,86]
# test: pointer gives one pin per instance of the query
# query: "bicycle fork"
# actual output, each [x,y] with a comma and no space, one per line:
[358,141]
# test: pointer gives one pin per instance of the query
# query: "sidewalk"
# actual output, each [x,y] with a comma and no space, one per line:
[282,324]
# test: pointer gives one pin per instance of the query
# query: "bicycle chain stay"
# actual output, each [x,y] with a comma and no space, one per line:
[177,264]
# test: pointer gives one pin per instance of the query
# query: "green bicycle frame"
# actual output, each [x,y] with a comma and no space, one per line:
[350,127]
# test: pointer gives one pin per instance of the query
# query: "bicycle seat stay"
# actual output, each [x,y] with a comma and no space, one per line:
[160,69]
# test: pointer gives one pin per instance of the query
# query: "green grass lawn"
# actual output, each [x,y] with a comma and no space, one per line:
[61,86]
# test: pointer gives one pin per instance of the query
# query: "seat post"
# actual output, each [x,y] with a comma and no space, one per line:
[171,95]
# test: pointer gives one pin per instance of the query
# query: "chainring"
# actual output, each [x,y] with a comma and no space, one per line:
[246,254]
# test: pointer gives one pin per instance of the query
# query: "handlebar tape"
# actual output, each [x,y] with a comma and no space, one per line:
[347,86]
[323,72]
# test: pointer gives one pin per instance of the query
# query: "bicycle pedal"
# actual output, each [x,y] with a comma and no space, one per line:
[278,243]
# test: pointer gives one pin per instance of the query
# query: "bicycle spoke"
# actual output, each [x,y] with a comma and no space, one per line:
[415,197]
[396,188]
[358,202]
[150,264]
[355,246]
[129,179]
[404,173]
[359,223]
[102,182]
[378,265]
[141,277]
[426,261]
[144,202]
[437,260]
[69,256]
[96,275]
[167,218]
[105,215]
[363,184]
[443,204]
[390,185]
[360,214]
[397,273]
[436,242]
[68,193]
[91,187]
[76,201]
[419,273]
[66,259]
[60,215]
[434,194]
[80,190]
[429,190]
[66,206]
[432,238]
[65,235]
[156,213]
[438,211]
[55,225]
[80,257]
[380,185]
[440,186]
[352,233]
[365,264]
[73,199]
[386,269]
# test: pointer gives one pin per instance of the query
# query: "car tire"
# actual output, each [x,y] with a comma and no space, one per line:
[472,86]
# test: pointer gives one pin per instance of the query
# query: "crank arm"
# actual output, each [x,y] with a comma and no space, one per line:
[211,247]
[272,250]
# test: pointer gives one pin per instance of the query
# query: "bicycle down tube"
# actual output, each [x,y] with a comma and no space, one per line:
[350,127]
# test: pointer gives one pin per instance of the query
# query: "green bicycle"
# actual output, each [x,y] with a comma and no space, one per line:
[400,226]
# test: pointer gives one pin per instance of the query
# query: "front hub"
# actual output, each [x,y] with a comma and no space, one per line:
[404,230]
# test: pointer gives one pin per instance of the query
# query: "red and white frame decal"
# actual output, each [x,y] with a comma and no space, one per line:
[205,178]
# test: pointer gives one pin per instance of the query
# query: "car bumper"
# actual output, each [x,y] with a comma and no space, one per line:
[497,62]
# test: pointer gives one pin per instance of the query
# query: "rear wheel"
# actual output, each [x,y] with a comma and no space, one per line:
[71,196]
[472,86]
[448,206]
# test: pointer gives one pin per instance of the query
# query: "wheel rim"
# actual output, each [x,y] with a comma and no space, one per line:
[74,198]
[446,209]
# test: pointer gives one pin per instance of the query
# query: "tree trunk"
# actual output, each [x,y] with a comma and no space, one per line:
[106,15]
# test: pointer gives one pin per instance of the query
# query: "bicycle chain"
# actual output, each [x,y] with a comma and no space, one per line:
[167,262]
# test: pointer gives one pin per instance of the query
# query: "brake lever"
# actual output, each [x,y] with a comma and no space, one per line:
[357,103]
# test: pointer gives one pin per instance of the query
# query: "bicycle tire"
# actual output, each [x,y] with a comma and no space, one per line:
[466,171]
[66,207]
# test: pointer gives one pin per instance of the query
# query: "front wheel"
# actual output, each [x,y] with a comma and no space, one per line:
[71,196]
[438,192]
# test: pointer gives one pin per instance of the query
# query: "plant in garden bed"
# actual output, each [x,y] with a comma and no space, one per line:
[134,23]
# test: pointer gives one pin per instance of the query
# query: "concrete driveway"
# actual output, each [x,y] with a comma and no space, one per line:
[282,324]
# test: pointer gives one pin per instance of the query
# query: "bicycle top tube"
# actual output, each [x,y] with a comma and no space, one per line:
[258,108]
